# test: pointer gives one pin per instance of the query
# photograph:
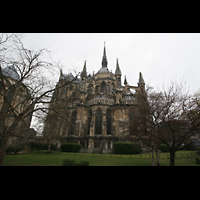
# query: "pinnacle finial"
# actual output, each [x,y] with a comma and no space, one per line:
[61,74]
[104,59]
[141,80]
[125,81]
[118,71]
[84,72]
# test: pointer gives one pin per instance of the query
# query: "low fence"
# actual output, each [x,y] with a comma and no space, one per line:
[138,156]
[178,155]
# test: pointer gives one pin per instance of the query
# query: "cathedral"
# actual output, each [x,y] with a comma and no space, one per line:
[93,110]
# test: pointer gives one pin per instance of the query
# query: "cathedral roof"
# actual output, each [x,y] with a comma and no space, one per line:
[11,72]
[104,70]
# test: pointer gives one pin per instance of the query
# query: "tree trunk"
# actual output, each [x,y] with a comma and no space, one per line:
[172,158]
[152,162]
[49,148]
[3,144]
[157,157]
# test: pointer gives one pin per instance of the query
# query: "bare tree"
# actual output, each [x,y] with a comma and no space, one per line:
[29,91]
[170,117]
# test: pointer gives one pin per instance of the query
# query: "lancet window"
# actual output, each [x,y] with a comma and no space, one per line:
[108,121]
[98,122]
[72,123]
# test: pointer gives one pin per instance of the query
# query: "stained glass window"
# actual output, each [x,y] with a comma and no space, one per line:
[103,88]
[98,122]
[108,121]
[89,120]
[73,120]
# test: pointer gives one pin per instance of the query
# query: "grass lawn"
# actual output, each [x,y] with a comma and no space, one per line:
[184,158]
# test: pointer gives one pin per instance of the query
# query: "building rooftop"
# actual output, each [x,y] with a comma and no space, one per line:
[11,72]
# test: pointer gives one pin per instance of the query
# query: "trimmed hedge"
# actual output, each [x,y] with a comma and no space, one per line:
[127,148]
[197,160]
[13,149]
[164,148]
[68,162]
[41,146]
[70,147]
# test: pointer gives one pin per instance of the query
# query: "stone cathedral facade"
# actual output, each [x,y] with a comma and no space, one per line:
[93,110]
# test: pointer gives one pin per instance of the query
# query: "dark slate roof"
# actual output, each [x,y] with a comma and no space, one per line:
[104,70]
[11,72]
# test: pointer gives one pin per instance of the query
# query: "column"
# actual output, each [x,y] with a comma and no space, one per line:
[106,144]
[90,144]
[111,144]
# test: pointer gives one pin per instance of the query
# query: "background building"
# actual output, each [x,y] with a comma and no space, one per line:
[19,98]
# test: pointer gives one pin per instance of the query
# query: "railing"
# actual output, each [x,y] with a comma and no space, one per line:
[101,99]
[129,99]
[104,99]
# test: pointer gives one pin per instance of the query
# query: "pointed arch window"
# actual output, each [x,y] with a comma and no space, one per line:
[89,120]
[97,89]
[72,123]
[103,88]
[98,122]
[108,121]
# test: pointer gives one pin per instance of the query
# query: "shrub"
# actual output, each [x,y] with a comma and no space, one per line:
[33,145]
[137,148]
[198,152]
[127,148]
[164,148]
[41,146]
[13,149]
[70,147]
[9,149]
[68,162]
[17,149]
[197,160]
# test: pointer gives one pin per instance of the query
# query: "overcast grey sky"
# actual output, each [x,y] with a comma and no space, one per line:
[160,57]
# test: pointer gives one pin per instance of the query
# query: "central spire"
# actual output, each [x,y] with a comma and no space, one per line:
[104,60]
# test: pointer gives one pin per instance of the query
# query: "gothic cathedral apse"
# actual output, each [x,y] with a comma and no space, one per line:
[93,110]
